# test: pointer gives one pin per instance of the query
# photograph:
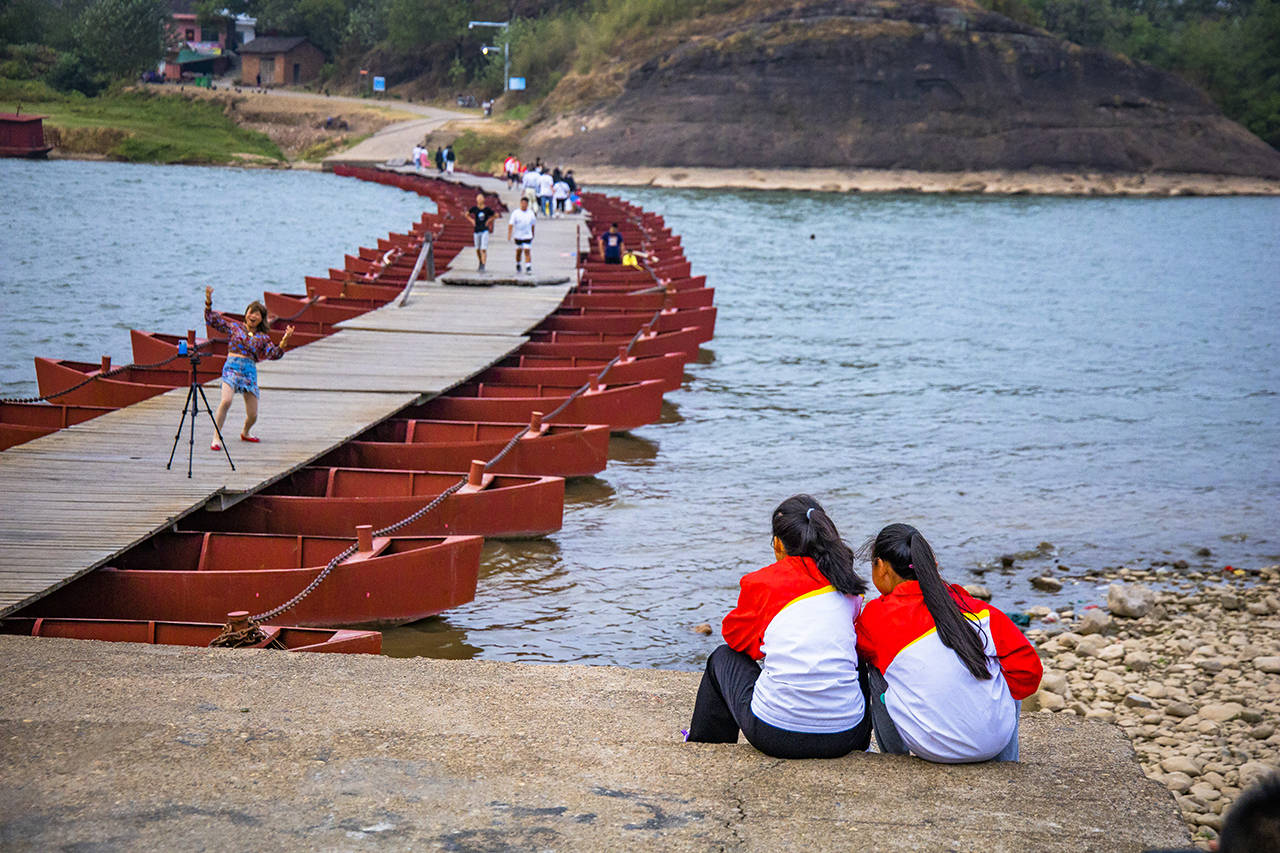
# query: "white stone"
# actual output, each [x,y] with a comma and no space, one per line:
[1179,783]
[1181,764]
[1094,621]
[1113,652]
[1130,600]
[1267,664]
[1252,772]
[1221,712]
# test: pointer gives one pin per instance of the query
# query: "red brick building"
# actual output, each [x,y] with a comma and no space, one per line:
[280,60]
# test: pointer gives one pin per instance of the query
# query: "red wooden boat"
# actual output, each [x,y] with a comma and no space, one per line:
[54,376]
[329,287]
[682,283]
[622,407]
[641,301]
[328,501]
[193,634]
[200,577]
[550,370]
[559,450]
[21,422]
[589,345]
[629,322]
[298,307]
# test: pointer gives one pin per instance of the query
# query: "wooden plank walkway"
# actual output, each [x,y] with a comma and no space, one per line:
[71,501]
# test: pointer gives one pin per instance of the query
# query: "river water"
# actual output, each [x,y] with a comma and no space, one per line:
[1102,375]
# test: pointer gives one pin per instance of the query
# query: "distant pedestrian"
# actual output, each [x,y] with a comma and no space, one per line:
[247,344]
[440,159]
[417,156]
[529,184]
[560,192]
[568,179]
[521,227]
[611,245]
[481,216]
[449,159]
[545,184]
[511,167]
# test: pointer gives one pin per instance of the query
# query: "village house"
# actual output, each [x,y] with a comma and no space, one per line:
[280,60]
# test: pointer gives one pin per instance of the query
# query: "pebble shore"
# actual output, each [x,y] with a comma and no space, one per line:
[1187,664]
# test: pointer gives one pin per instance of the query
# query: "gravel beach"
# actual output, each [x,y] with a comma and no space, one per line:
[1187,664]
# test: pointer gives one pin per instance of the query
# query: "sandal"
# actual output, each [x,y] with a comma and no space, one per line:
[215,446]
[252,438]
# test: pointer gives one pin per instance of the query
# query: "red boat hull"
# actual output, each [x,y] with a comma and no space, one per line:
[557,450]
[587,345]
[510,507]
[546,370]
[622,407]
[193,634]
[200,577]
[291,308]
[55,376]
[21,422]
[642,301]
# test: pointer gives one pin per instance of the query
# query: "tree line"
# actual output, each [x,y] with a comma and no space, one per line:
[1229,47]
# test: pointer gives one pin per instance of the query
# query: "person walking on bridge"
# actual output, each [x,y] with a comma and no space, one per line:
[481,217]
[521,226]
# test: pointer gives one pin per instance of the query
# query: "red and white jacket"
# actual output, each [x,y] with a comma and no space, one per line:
[792,620]
[942,712]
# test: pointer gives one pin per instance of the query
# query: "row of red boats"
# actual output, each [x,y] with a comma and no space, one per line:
[601,363]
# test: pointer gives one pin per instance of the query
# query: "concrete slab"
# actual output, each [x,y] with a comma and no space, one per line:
[109,746]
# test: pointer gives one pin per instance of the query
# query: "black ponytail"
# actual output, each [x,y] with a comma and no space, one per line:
[909,555]
[805,530]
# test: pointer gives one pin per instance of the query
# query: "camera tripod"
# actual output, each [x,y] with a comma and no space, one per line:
[193,405]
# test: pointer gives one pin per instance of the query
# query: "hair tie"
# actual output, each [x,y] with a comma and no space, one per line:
[808,514]
[910,565]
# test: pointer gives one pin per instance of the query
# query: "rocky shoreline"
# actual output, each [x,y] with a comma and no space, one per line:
[1187,664]
[995,182]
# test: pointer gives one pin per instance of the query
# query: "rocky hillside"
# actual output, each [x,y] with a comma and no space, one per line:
[932,85]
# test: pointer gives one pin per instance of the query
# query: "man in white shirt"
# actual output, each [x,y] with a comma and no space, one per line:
[529,183]
[520,227]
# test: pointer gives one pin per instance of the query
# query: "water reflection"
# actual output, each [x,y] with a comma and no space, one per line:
[587,491]
[432,638]
[630,449]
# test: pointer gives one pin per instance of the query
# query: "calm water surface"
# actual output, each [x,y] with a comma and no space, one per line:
[1102,375]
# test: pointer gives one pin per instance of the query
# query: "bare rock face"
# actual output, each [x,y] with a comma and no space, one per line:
[930,85]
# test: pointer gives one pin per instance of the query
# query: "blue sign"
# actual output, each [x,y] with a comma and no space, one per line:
[379,84]
[515,83]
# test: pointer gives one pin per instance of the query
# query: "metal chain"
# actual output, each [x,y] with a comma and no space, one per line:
[112,372]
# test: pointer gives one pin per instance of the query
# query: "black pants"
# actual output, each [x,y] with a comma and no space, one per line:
[723,707]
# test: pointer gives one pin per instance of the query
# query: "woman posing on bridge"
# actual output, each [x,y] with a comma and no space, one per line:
[247,344]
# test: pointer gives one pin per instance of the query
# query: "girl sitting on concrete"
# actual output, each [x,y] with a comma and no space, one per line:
[804,697]
[946,671]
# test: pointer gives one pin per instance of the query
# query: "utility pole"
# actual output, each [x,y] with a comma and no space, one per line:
[506,47]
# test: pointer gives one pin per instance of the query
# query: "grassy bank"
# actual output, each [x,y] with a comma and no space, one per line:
[140,127]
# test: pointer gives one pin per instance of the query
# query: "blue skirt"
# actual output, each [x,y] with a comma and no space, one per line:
[241,374]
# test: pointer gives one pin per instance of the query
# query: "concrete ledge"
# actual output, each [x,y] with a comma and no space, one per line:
[122,746]
[489,279]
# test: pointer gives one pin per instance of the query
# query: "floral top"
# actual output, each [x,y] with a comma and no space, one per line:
[239,342]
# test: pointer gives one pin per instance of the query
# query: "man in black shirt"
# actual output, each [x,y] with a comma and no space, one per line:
[481,217]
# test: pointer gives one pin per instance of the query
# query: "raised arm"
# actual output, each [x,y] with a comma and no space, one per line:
[213,318]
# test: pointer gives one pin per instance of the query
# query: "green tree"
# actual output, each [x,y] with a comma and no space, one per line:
[123,37]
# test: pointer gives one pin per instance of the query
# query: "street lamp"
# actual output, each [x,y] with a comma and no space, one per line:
[506,48]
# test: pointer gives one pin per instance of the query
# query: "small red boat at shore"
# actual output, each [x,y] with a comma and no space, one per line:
[569,370]
[329,501]
[158,633]
[21,422]
[559,450]
[200,577]
[622,407]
